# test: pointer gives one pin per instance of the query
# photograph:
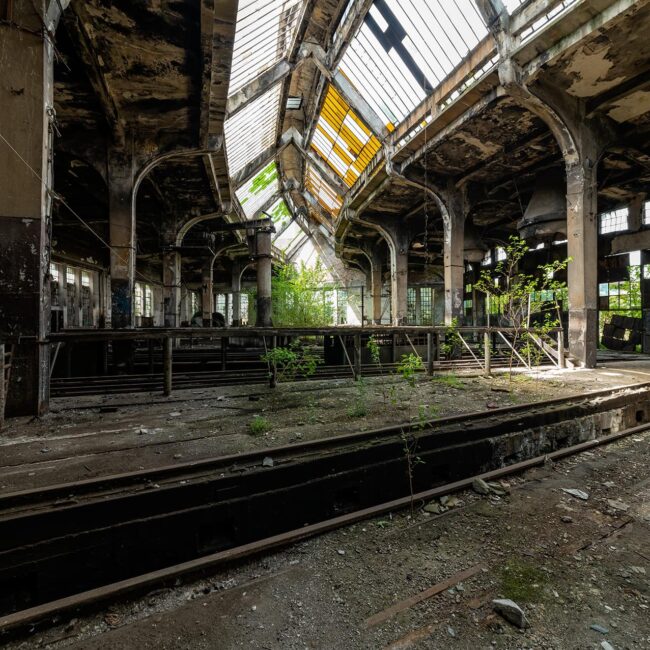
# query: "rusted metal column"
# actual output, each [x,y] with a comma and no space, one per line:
[430,354]
[167,366]
[560,350]
[2,384]
[357,357]
[26,104]
[487,353]
[235,287]
[122,236]
[207,294]
[172,288]
[264,269]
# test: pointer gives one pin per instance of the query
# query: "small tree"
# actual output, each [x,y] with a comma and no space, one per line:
[300,297]
[518,295]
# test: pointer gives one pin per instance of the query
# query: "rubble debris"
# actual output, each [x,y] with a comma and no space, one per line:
[578,494]
[480,486]
[599,628]
[511,612]
[618,505]
[267,462]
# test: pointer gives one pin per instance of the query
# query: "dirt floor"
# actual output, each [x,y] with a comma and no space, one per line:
[94,436]
[580,569]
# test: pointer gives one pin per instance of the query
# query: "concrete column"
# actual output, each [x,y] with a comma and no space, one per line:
[26,80]
[582,272]
[264,268]
[207,294]
[172,288]
[235,286]
[376,271]
[122,237]
[399,274]
[454,263]
[635,213]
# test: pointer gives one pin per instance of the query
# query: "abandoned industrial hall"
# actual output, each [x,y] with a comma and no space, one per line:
[325,324]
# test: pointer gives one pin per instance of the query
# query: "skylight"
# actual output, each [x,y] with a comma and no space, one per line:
[258,191]
[513,5]
[291,235]
[342,139]
[322,192]
[265,30]
[280,214]
[430,38]
[252,130]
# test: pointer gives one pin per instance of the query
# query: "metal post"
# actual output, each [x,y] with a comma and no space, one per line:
[560,349]
[167,366]
[224,352]
[273,379]
[430,354]
[150,346]
[436,342]
[2,384]
[357,357]
[487,351]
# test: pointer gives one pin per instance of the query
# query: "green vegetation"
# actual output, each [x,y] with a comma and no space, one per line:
[259,425]
[408,367]
[287,363]
[450,380]
[452,344]
[522,582]
[517,296]
[301,297]
[359,408]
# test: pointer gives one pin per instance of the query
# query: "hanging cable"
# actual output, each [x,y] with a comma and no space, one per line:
[57,197]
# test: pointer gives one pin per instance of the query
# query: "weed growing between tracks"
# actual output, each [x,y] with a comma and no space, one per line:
[259,425]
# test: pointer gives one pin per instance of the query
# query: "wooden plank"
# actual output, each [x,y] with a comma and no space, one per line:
[381,617]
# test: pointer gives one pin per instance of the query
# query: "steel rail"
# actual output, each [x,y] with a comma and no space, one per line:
[138,584]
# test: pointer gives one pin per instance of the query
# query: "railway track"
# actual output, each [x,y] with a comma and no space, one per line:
[74,545]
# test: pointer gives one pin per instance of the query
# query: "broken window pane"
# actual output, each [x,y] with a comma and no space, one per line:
[258,191]
[342,139]
[251,131]
[322,191]
[265,30]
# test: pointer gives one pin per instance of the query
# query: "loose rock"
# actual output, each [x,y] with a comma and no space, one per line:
[578,494]
[480,486]
[511,612]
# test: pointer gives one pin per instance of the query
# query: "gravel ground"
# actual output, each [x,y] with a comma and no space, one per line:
[579,569]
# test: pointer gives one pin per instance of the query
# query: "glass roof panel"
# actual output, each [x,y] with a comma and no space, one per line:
[281,215]
[252,130]
[513,5]
[253,194]
[415,45]
[291,235]
[265,29]
[322,191]
[381,77]
[342,139]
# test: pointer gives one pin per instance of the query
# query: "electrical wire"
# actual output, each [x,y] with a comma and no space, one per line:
[57,197]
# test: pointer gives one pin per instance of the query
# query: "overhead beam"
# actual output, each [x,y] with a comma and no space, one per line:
[258,86]
[346,31]
[75,23]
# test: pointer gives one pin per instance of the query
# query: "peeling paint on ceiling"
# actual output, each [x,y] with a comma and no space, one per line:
[590,69]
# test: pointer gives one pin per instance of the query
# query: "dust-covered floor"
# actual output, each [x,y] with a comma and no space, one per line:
[96,436]
[580,570]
